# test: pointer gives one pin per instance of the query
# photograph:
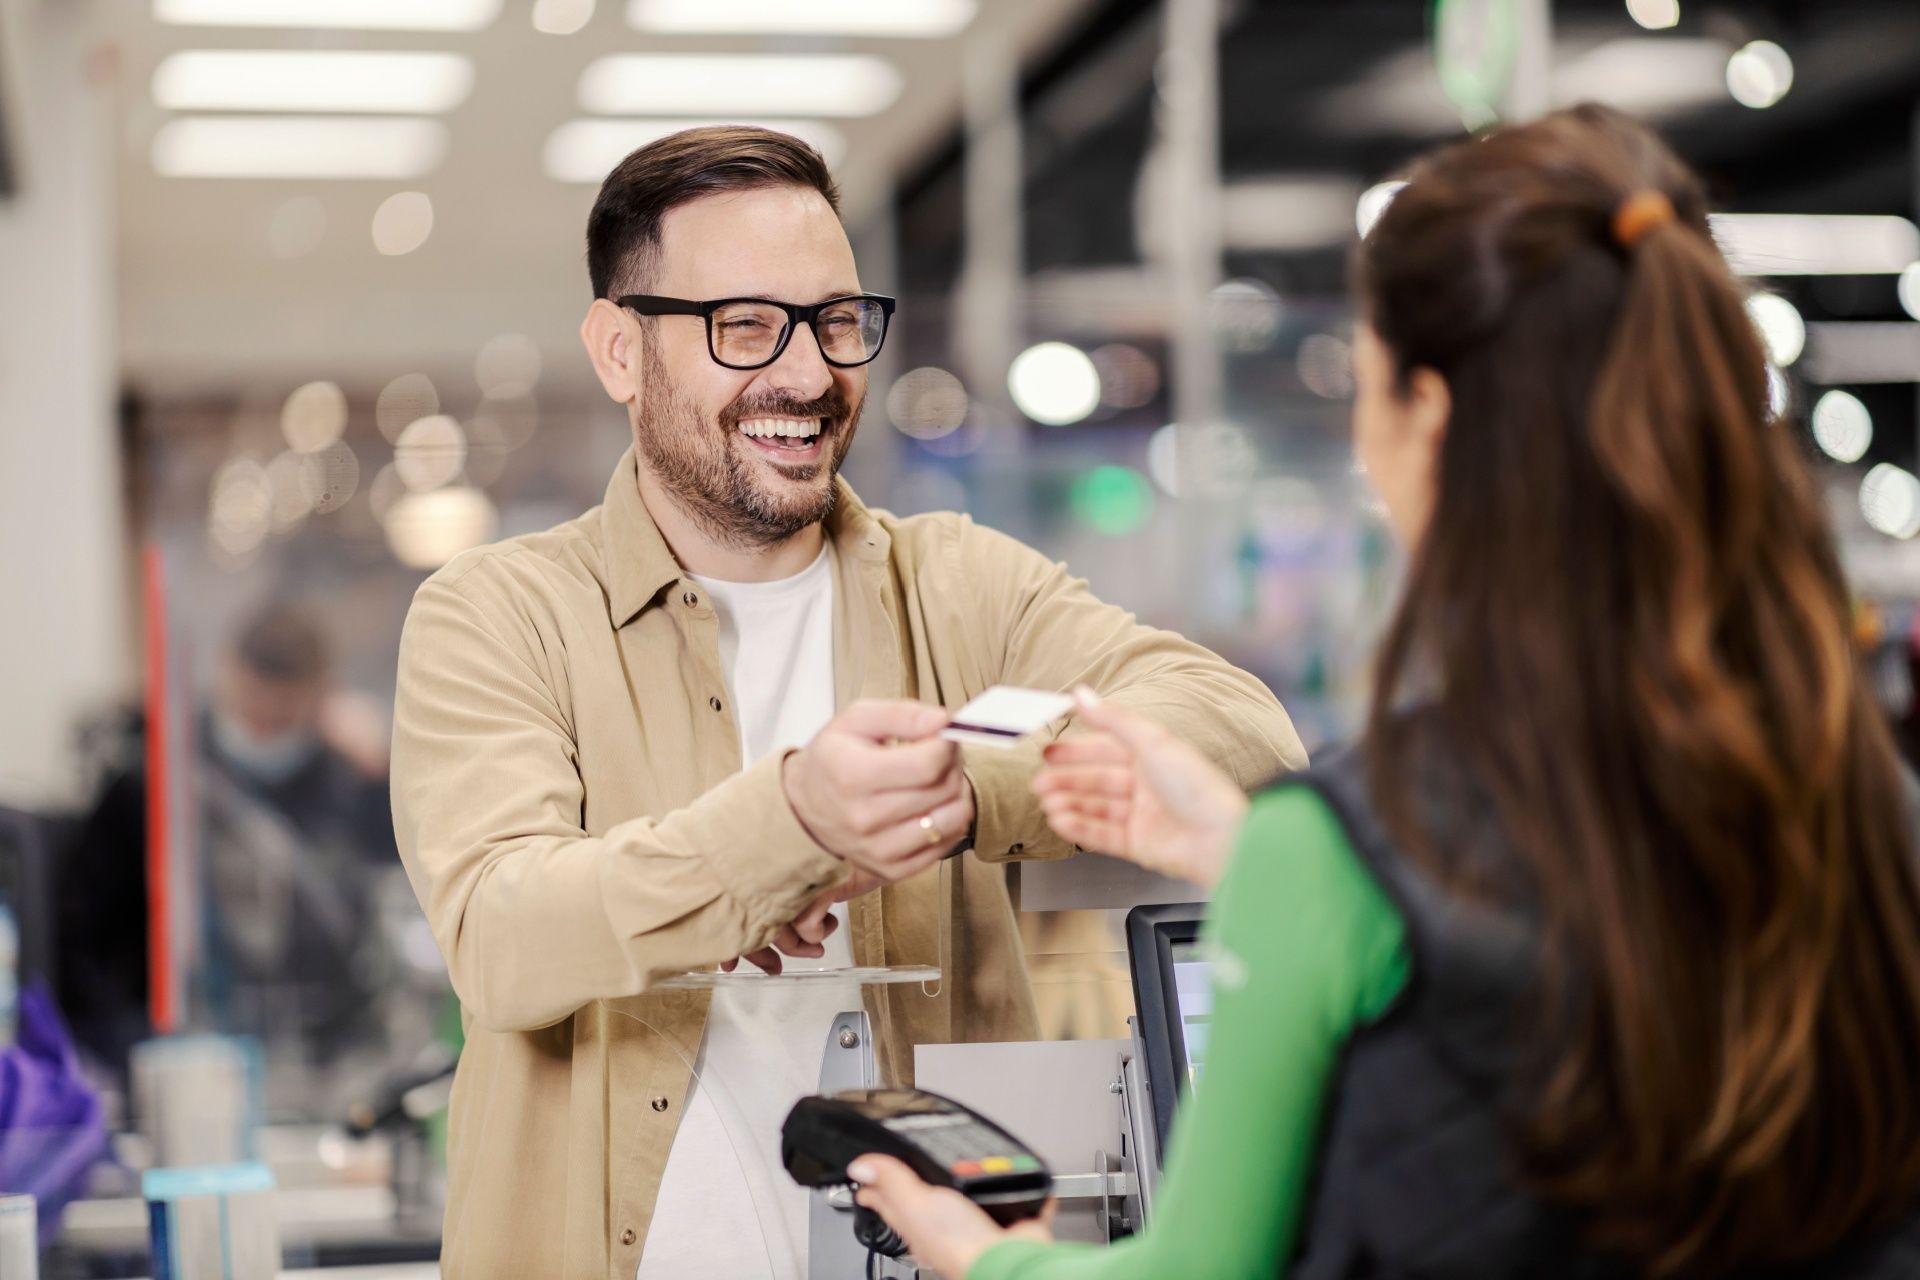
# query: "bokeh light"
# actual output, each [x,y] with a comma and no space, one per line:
[402,223]
[512,421]
[1909,288]
[1129,377]
[927,403]
[1842,427]
[430,452]
[425,530]
[240,506]
[1325,365]
[330,476]
[1246,315]
[1214,460]
[407,399]
[1890,500]
[1655,15]
[1373,202]
[1759,74]
[1054,383]
[314,416]
[1112,499]
[561,17]
[1780,325]
[291,502]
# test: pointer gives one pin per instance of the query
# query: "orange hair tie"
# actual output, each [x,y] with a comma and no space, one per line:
[1638,214]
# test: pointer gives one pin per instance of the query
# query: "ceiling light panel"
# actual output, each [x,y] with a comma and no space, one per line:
[897,18]
[587,150]
[312,80]
[751,84]
[298,147]
[1815,244]
[369,15]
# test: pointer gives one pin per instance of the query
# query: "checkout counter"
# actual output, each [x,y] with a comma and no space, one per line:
[362,1198]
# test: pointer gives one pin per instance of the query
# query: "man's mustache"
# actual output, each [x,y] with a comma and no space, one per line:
[831,408]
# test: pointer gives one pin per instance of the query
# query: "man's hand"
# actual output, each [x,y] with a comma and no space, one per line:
[878,789]
[806,935]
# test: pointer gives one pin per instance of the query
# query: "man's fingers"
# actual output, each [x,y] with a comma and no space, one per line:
[880,720]
[906,766]
[766,959]
[897,807]
[1085,779]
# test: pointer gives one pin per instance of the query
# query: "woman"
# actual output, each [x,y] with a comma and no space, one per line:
[1601,955]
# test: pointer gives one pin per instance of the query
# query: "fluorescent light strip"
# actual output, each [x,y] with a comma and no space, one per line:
[752,84]
[1840,352]
[587,150]
[899,18]
[1813,244]
[369,15]
[304,80]
[298,147]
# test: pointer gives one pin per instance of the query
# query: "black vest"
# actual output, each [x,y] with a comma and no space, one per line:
[1416,1176]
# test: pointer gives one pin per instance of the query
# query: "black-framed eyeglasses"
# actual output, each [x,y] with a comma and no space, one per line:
[751,333]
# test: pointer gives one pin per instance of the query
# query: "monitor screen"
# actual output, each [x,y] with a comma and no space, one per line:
[1193,1003]
[1173,997]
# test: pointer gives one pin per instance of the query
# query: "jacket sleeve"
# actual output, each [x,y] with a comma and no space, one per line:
[1058,635]
[534,916]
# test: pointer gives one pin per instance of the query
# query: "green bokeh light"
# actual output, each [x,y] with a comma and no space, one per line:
[1115,500]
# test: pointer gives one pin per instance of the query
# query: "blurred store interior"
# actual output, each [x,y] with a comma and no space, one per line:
[289,299]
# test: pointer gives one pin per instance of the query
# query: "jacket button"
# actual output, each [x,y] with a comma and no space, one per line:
[714,703]
[627,1236]
[659,1104]
[690,599]
[1014,851]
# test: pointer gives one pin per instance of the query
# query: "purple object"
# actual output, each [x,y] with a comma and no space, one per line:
[51,1131]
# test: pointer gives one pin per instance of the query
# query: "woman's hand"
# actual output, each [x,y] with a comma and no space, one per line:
[1135,791]
[943,1229]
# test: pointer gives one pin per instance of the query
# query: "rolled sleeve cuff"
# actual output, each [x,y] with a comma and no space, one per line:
[1008,821]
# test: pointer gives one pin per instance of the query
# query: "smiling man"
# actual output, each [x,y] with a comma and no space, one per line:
[699,724]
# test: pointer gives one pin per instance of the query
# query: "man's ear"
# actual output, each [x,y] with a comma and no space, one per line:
[612,340]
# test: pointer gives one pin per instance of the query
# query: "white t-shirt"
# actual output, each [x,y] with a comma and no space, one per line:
[727,1207]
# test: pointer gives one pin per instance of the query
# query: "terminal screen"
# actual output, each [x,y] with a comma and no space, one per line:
[1193,998]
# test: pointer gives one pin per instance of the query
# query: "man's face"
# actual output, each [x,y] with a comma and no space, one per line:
[750,454]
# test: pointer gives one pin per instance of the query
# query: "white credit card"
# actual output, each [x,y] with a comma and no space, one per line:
[1003,715]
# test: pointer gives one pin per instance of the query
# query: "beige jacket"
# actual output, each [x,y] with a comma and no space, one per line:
[570,806]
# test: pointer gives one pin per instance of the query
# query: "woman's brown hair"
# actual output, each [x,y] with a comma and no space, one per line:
[1629,618]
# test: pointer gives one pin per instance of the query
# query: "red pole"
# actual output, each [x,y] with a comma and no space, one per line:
[159,796]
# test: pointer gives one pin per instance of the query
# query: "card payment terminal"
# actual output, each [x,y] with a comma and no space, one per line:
[942,1141]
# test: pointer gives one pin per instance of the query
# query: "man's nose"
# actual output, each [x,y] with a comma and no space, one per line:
[802,370]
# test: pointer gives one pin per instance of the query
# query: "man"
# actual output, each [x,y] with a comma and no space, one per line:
[292,836]
[685,726]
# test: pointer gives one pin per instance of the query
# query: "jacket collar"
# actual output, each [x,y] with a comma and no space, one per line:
[640,565]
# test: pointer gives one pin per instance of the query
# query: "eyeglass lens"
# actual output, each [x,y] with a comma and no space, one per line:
[748,333]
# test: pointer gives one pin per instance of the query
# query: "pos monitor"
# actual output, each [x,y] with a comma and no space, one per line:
[1173,999]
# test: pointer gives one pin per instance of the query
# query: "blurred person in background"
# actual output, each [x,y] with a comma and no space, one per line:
[1600,955]
[291,833]
[681,729]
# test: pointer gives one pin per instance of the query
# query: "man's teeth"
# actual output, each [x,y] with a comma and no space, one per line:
[767,428]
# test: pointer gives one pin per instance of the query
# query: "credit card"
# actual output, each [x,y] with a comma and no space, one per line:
[1003,715]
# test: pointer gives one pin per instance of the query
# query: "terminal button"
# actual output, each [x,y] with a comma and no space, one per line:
[966,1168]
[997,1164]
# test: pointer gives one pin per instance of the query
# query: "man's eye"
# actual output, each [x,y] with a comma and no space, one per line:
[740,326]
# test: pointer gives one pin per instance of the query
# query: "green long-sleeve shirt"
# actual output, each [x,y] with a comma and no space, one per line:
[1305,947]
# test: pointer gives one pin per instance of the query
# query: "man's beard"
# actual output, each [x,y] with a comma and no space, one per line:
[698,461]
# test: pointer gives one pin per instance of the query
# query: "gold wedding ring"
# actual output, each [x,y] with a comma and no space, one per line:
[933,833]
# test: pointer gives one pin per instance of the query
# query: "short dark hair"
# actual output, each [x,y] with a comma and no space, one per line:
[284,643]
[623,232]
